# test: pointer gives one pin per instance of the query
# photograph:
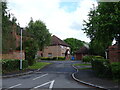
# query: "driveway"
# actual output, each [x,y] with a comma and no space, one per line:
[57,75]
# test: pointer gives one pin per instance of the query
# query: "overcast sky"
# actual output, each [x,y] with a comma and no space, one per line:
[63,18]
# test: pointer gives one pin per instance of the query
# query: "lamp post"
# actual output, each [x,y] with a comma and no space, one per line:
[21,49]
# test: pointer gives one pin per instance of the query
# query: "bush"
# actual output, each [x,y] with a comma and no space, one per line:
[61,58]
[12,65]
[30,51]
[46,58]
[52,58]
[87,58]
[116,70]
[97,57]
[101,67]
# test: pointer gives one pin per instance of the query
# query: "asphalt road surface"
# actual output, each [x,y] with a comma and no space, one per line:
[57,75]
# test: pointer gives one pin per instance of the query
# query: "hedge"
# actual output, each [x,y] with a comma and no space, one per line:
[52,58]
[101,67]
[90,58]
[87,58]
[116,70]
[13,64]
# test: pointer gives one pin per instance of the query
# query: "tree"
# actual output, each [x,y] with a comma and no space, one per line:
[38,31]
[30,51]
[8,29]
[75,44]
[103,25]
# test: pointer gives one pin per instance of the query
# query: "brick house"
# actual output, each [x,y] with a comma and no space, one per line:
[114,53]
[57,48]
[81,52]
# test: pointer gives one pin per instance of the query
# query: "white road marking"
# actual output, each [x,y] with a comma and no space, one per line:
[15,85]
[51,85]
[40,76]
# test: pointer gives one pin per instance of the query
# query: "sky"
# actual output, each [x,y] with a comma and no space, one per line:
[63,18]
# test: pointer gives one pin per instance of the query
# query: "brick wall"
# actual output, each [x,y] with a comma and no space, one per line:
[12,55]
[78,56]
[114,53]
[54,50]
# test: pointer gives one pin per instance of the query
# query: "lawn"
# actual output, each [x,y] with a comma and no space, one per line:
[78,64]
[38,65]
[83,68]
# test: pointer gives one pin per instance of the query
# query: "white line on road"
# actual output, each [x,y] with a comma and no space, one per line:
[51,85]
[40,76]
[15,85]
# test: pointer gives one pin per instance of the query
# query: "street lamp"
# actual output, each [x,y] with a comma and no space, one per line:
[21,49]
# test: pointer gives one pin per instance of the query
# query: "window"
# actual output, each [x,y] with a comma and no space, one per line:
[49,54]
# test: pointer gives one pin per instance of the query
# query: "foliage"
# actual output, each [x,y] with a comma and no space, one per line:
[101,67]
[46,58]
[38,31]
[103,26]
[30,51]
[115,70]
[61,58]
[38,65]
[78,64]
[9,65]
[8,29]
[87,58]
[52,58]
[75,44]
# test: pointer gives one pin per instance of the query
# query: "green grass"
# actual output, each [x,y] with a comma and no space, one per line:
[78,64]
[38,65]
[85,68]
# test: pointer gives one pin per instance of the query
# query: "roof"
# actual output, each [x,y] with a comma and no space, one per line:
[57,41]
[82,50]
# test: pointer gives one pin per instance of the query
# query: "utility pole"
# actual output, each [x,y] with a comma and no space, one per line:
[21,49]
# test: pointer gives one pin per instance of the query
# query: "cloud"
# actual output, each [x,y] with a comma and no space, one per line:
[62,23]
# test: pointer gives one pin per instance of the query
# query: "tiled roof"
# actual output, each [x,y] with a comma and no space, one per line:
[83,50]
[57,41]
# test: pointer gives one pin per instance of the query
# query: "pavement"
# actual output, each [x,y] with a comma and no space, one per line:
[89,77]
[64,71]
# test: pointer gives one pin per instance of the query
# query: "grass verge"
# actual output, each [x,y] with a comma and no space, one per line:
[78,64]
[38,65]
[85,68]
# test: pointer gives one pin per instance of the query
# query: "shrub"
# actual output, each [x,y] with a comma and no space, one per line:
[61,58]
[116,70]
[98,57]
[46,58]
[30,51]
[12,65]
[101,67]
[87,58]
[52,58]
[55,58]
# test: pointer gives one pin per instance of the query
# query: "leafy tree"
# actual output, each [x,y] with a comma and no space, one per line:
[30,51]
[38,31]
[103,25]
[8,29]
[75,44]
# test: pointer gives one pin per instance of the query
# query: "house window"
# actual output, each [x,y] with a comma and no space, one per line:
[49,54]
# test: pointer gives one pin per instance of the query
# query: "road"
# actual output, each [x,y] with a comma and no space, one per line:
[57,75]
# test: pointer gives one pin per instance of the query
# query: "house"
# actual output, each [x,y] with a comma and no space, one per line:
[81,52]
[114,53]
[57,48]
